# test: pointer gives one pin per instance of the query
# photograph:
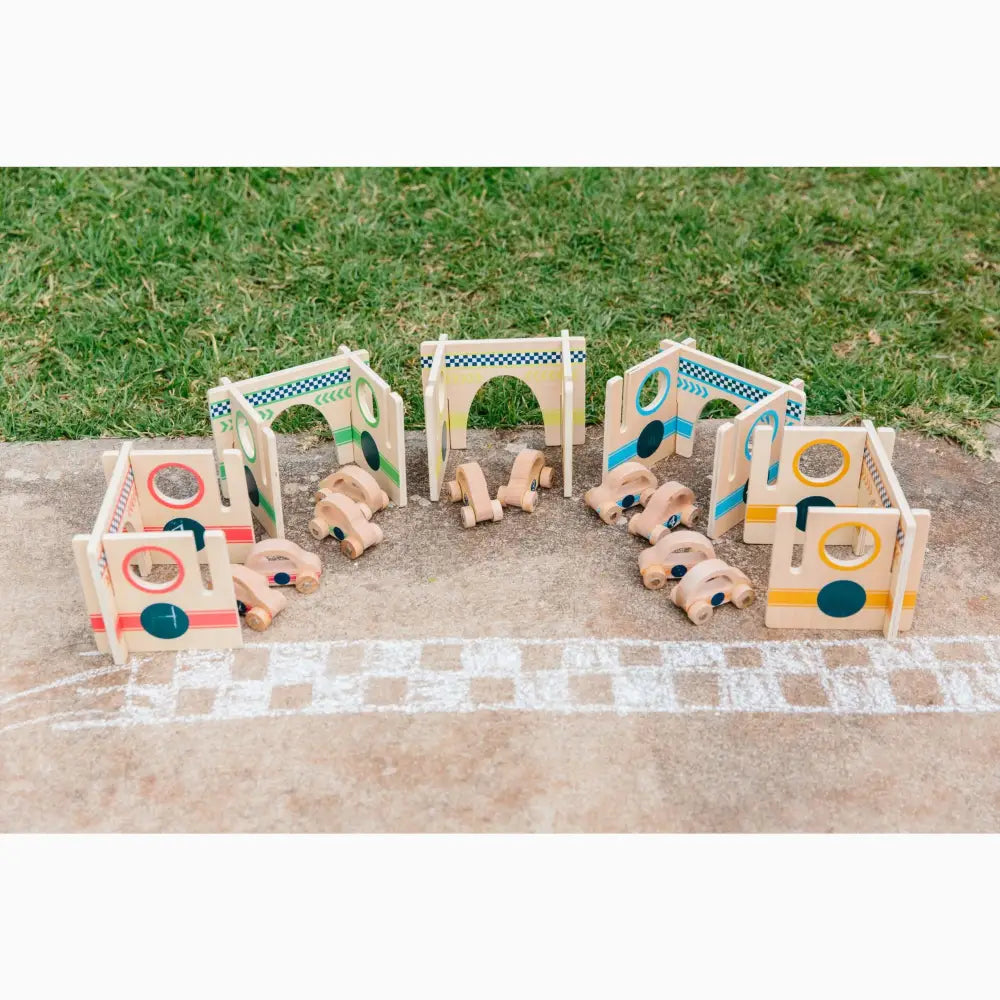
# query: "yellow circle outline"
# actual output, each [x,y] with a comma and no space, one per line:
[852,566]
[830,480]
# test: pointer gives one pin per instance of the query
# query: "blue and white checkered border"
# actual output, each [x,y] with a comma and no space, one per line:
[509,359]
[721,381]
[276,393]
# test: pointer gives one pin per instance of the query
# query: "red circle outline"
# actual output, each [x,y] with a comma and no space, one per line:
[163,588]
[159,497]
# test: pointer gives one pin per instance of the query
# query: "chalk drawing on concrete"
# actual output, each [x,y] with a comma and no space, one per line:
[563,677]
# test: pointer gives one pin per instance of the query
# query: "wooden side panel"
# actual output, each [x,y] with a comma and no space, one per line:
[879,487]
[793,488]
[179,612]
[436,419]
[260,464]
[568,415]
[119,511]
[201,511]
[637,433]
[376,420]
[733,448]
[827,591]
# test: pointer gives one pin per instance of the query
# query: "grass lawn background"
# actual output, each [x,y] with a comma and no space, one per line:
[126,294]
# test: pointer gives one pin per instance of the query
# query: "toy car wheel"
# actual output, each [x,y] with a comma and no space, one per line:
[700,612]
[690,517]
[258,619]
[497,510]
[454,490]
[307,584]
[657,533]
[545,478]
[654,578]
[644,497]
[319,528]
[610,513]
[468,518]
[529,500]
[351,548]
[743,596]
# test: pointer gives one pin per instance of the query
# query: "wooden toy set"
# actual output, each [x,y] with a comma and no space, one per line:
[169,565]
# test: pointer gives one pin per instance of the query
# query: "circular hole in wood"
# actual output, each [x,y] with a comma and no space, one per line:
[175,485]
[367,402]
[821,463]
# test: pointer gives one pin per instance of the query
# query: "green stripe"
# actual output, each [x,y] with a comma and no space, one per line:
[267,508]
[343,435]
[384,464]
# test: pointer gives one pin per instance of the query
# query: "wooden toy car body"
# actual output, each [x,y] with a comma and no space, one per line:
[469,486]
[255,600]
[528,473]
[356,483]
[671,505]
[672,556]
[284,563]
[708,585]
[347,520]
[629,484]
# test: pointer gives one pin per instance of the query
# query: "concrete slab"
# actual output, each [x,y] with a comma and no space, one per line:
[516,676]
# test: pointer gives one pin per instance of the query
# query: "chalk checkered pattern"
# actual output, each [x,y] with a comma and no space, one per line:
[793,410]
[510,358]
[719,380]
[276,393]
[559,676]
[121,505]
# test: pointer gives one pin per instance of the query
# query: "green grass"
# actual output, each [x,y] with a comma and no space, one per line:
[125,294]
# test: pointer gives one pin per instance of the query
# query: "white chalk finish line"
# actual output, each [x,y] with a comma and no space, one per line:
[564,677]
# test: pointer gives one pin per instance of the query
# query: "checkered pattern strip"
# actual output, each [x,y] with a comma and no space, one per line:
[512,358]
[561,676]
[114,525]
[276,393]
[719,380]
[883,493]
[793,410]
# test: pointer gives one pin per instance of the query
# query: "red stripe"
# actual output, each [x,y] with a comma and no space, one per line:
[233,534]
[196,619]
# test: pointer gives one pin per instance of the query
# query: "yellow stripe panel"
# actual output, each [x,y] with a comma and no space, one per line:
[807,598]
[761,514]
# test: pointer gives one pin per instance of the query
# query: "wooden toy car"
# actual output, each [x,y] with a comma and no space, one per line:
[708,585]
[345,519]
[282,563]
[255,600]
[526,475]
[672,556]
[356,483]
[469,486]
[621,488]
[672,504]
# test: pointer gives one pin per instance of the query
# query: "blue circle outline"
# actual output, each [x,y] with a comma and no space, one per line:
[753,427]
[660,396]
